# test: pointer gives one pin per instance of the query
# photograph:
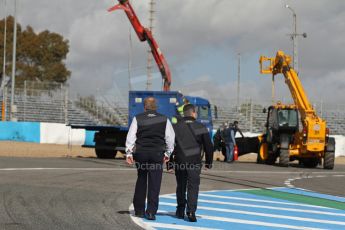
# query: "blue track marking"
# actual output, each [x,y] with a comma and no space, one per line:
[240,210]
[253,217]
[310,193]
[277,212]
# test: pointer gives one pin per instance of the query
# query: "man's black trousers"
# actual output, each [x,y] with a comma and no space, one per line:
[150,169]
[188,180]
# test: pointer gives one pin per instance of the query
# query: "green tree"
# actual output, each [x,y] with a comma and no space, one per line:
[40,56]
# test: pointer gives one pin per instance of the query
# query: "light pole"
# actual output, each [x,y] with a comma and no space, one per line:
[14,59]
[3,115]
[238,81]
[294,38]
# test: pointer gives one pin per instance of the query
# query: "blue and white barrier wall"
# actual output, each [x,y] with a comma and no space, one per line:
[20,131]
[52,133]
[44,133]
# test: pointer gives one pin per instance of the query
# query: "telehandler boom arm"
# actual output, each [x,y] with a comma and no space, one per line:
[145,34]
[281,64]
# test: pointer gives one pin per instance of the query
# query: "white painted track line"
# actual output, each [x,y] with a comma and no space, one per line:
[342,223]
[263,207]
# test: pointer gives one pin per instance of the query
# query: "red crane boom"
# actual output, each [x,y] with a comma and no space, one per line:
[144,34]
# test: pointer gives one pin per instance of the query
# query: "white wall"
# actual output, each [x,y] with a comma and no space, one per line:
[339,145]
[51,133]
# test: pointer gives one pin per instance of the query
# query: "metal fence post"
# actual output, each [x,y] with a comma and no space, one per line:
[24,100]
[251,116]
[96,110]
[247,109]
[4,98]
[66,104]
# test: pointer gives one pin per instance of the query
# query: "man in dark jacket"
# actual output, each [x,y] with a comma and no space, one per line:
[237,129]
[191,138]
[222,142]
[217,140]
[230,142]
[150,142]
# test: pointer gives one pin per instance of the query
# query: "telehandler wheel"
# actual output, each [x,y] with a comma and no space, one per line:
[328,161]
[262,153]
[271,158]
[259,160]
[310,162]
[284,158]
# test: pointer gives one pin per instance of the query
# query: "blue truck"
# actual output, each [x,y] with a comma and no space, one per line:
[111,139]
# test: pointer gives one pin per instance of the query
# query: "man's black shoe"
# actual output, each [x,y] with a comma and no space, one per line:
[150,216]
[191,216]
[180,213]
[139,214]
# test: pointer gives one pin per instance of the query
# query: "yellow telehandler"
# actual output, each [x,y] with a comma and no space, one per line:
[283,138]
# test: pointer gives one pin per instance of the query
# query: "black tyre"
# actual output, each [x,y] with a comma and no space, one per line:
[330,145]
[328,161]
[271,158]
[259,160]
[105,153]
[310,162]
[284,158]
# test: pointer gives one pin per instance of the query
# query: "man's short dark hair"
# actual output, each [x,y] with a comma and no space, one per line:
[235,122]
[188,110]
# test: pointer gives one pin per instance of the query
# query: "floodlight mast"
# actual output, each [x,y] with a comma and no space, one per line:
[145,34]
[294,39]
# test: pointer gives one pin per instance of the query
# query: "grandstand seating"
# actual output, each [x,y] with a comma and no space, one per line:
[50,108]
[335,119]
[109,113]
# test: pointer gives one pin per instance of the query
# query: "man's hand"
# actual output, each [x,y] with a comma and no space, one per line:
[130,160]
[166,159]
[170,170]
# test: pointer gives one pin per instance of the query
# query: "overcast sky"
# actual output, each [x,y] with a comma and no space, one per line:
[200,40]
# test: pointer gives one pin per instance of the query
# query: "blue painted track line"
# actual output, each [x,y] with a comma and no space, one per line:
[287,204]
[268,210]
[274,220]
[310,193]
[255,217]
[241,210]
[211,224]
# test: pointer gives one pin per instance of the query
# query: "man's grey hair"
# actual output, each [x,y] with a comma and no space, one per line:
[150,103]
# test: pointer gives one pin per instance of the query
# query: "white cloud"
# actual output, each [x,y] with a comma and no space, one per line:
[99,40]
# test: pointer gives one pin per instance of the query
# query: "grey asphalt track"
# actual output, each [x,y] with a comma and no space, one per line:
[88,193]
